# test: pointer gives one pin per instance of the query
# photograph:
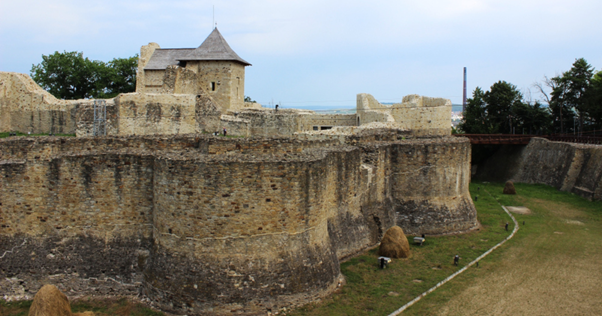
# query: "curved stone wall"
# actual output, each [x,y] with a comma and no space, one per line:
[203,224]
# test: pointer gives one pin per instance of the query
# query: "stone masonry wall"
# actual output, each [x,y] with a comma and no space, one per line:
[209,225]
[424,116]
[568,167]
[26,107]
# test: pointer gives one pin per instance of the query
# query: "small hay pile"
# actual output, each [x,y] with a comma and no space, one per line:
[394,244]
[50,301]
[509,188]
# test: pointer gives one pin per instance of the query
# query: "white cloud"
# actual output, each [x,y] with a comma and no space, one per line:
[405,43]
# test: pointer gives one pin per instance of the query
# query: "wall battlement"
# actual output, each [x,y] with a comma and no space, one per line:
[203,224]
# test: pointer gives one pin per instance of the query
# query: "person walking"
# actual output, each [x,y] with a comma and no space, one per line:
[456,260]
[225,132]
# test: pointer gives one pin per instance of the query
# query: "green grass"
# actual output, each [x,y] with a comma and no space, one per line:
[371,291]
[534,242]
[368,289]
[5,134]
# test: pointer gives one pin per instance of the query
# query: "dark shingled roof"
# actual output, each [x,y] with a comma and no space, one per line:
[214,47]
[162,58]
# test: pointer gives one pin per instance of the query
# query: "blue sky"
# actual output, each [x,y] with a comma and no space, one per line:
[325,52]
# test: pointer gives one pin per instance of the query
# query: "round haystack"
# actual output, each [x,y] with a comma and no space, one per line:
[509,188]
[49,301]
[394,244]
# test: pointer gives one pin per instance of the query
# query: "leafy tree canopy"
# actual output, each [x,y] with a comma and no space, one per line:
[69,75]
[502,110]
[570,96]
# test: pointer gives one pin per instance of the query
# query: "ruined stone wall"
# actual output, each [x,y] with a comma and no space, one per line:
[308,121]
[568,167]
[429,186]
[146,52]
[203,224]
[153,81]
[152,114]
[142,114]
[26,107]
[424,116]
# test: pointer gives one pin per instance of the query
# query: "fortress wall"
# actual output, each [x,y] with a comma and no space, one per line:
[204,224]
[26,107]
[569,167]
[80,222]
[308,121]
[424,116]
[31,149]
[252,232]
[424,121]
[271,122]
[429,186]
[144,114]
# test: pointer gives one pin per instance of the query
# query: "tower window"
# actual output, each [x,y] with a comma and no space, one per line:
[213,86]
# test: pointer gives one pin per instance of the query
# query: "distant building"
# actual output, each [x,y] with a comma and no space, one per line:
[212,68]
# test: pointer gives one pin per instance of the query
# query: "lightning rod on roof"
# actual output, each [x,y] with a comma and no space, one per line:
[214,16]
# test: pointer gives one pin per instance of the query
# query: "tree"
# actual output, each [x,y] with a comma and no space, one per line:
[69,75]
[474,120]
[503,110]
[248,99]
[570,96]
[594,102]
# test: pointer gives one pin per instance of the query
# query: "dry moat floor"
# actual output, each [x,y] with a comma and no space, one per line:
[550,267]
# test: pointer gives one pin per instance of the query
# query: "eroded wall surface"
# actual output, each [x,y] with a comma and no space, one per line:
[202,224]
[568,167]
[424,116]
[26,107]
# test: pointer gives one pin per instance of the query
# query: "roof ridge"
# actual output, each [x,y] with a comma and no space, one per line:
[215,47]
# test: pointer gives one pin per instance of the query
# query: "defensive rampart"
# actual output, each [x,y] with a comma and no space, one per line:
[568,167]
[26,107]
[424,116]
[208,225]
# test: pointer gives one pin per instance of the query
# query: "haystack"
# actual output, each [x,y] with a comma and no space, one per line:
[49,301]
[509,188]
[394,244]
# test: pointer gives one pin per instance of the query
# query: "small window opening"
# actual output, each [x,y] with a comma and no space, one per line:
[316,128]
[326,127]
[213,86]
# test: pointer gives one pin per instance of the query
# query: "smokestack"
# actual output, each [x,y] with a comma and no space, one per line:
[464,95]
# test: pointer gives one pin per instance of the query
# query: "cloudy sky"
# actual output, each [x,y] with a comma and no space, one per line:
[325,52]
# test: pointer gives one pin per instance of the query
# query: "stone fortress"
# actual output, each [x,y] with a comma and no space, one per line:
[199,224]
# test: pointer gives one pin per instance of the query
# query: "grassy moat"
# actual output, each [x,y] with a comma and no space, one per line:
[551,266]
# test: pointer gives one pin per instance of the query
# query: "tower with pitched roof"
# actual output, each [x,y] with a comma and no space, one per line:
[213,69]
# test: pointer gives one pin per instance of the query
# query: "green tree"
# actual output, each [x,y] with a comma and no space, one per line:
[594,104]
[502,110]
[570,96]
[474,120]
[69,75]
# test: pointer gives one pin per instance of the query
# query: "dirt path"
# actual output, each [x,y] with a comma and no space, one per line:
[556,269]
